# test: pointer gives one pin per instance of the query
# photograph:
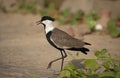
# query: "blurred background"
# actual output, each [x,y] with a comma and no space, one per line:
[23,45]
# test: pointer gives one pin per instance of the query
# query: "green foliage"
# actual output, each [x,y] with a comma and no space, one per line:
[36,76]
[2,7]
[51,6]
[106,65]
[65,13]
[90,23]
[28,7]
[117,75]
[50,10]
[101,53]
[71,18]
[118,17]
[107,74]
[43,12]
[91,64]
[92,67]
[112,29]
[93,15]
[76,17]
[90,20]
[63,16]
[68,71]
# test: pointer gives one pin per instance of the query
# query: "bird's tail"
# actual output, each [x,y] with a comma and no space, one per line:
[83,49]
[87,43]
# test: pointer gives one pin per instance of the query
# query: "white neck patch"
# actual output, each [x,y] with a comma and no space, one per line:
[48,26]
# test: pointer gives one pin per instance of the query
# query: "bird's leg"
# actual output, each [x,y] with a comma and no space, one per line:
[63,56]
[50,64]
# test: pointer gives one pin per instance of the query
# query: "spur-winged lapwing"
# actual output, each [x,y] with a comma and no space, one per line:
[61,40]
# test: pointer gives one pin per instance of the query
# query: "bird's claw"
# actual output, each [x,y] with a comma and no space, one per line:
[49,65]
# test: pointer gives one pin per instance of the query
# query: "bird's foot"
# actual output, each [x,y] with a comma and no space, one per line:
[49,65]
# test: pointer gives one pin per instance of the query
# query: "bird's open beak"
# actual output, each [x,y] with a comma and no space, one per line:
[38,22]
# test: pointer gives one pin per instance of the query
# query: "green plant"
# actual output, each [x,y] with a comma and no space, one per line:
[2,7]
[90,20]
[50,10]
[28,7]
[112,29]
[51,6]
[36,76]
[71,18]
[43,12]
[92,67]
[90,23]
[65,13]
[93,15]
[76,16]
[63,16]
[118,17]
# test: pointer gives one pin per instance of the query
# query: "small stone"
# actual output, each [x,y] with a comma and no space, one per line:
[99,27]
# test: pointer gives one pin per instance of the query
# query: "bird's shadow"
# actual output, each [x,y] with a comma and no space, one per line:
[78,63]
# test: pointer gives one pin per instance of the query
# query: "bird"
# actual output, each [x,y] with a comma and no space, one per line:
[61,40]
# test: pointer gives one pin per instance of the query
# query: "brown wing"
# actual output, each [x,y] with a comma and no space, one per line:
[62,39]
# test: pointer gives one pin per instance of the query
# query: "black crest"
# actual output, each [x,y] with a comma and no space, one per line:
[47,18]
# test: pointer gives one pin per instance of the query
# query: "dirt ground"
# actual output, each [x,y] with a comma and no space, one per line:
[25,52]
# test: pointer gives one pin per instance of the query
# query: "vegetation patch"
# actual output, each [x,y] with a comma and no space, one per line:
[105,66]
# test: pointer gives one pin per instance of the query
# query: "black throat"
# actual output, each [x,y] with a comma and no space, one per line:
[44,25]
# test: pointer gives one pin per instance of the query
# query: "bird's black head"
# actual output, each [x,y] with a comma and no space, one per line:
[47,18]
[44,18]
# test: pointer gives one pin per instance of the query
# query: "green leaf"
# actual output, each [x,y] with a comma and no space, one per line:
[91,64]
[90,23]
[106,64]
[51,6]
[101,53]
[118,16]
[73,21]
[107,74]
[81,73]
[97,53]
[93,15]
[69,66]
[43,12]
[117,68]
[64,74]
[93,76]
[36,76]
[117,75]
[90,20]
[66,12]
[112,29]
